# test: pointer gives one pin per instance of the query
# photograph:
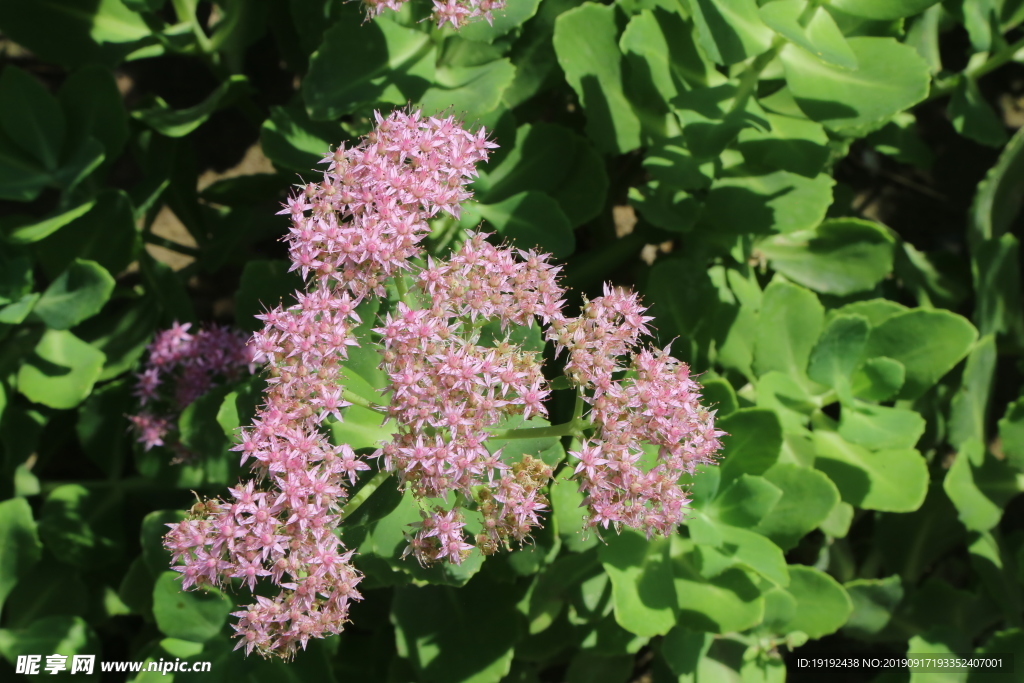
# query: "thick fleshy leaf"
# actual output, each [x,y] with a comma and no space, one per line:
[61,371]
[840,257]
[20,548]
[788,325]
[755,437]
[151,536]
[815,32]
[927,343]
[514,15]
[552,159]
[395,65]
[874,605]
[808,497]
[196,615]
[792,144]
[264,285]
[1011,433]
[176,123]
[766,203]
[92,104]
[738,547]
[642,582]
[530,220]
[728,601]
[78,294]
[58,635]
[973,117]
[878,379]
[473,650]
[25,230]
[105,234]
[31,117]
[82,527]
[892,480]
[883,9]
[835,355]
[730,31]
[586,43]
[969,408]
[75,32]
[877,427]
[979,485]
[889,78]
[822,604]
[471,91]
[745,501]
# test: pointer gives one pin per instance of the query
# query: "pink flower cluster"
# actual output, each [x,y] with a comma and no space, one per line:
[180,367]
[458,13]
[655,402]
[349,233]
[455,375]
[447,389]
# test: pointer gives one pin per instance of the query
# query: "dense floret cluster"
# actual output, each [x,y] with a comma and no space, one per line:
[458,13]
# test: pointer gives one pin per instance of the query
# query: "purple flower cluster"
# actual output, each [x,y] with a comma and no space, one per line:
[180,367]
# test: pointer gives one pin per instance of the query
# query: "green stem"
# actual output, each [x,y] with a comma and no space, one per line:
[168,244]
[403,291]
[749,78]
[994,61]
[573,427]
[358,400]
[363,494]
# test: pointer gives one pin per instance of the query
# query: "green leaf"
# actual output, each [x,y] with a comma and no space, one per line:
[969,407]
[101,425]
[927,343]
[727,601]
[31,117]
[471,91]
[789,144]
[20,548]
[106,235]
[395,65]
[264,285]
[745,501]
[60,635]
[176,123]
[763,204]
[883,9]
[788,325]
[569,511]
[1011,433]
[911,543]
[61,371]
[475,647]
[554,160]
[15,274]
[21,177]
[93,107]
[892,480]
[642,582]
[78,294]
[515,14]
[530,220]
[874,605]
[586,44]
[683,649]
[972,116]
[890,77]
[836,353]
[292,141]
[738,547]
[196,616]
[75,32]
[362,428]
[841,256]
[200,431]
[878,379]
[50,589]
[822,605]
[22,229]
[878,427]
[82,527]
[151,536]
[730,31]
[875,311]
[807,499]
[815,32]
[979,486]
[755,437]
[998,199]
[121,331]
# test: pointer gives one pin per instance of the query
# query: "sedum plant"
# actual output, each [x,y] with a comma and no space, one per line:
[816,201]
